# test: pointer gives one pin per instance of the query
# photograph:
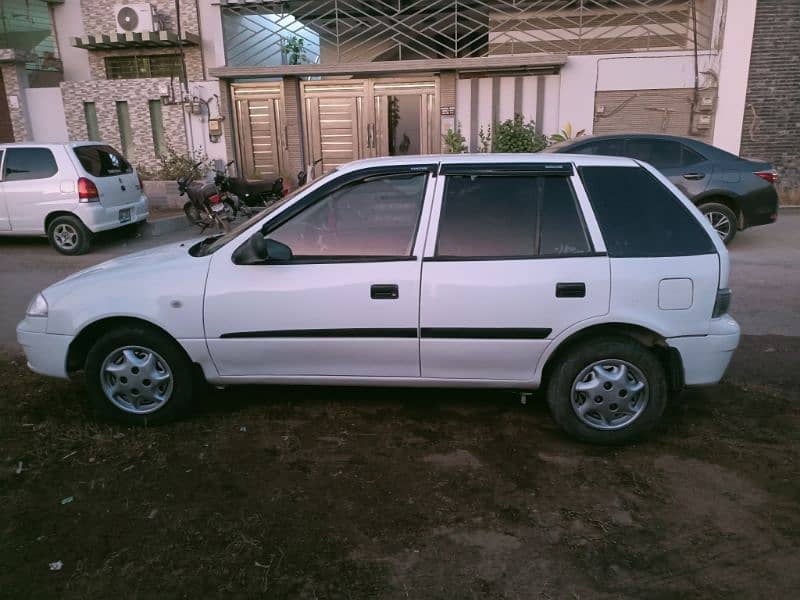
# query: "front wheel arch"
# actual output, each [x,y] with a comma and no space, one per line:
[88,336]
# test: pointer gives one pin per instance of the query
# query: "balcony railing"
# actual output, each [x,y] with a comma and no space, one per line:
[268,32]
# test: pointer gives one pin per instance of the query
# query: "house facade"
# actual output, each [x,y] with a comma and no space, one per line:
[280,86]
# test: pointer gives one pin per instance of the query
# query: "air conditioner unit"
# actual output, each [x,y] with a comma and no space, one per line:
[135,18]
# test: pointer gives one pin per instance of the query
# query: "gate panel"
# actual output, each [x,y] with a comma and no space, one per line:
[260,143]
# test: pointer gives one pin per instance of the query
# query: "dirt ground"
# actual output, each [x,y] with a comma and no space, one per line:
[365,493]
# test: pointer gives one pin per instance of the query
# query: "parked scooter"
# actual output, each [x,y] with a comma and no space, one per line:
[205,207]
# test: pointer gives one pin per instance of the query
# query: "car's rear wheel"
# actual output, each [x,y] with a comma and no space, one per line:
[139,376]
[68,235]
[722,219]
[607,391]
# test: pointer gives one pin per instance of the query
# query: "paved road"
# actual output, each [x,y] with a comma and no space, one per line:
[765,278]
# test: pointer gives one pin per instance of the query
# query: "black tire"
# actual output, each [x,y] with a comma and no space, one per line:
[229,213]
[612,349]
[183,380]
[69,236]
[722,215]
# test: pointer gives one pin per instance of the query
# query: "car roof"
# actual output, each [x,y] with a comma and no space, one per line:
[699,145]
[488,159]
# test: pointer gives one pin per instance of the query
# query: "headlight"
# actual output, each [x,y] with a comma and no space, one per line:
[37,307]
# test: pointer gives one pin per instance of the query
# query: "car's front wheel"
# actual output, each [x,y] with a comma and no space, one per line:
[139,376]
[722,219]
[68,235]
[607,391]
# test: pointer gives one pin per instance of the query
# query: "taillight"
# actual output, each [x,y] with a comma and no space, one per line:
[771,176]
[87,190]
[722,303]
[214,199]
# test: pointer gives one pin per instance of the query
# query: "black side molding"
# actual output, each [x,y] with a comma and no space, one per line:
[571,290]
[399,332]
[486,333]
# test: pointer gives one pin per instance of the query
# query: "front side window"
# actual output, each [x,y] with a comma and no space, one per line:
[102,161]
[29,163]
[491,216]
[371,217]
[639,217]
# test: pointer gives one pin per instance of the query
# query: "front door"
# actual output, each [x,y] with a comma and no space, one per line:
[508,267]
[347,304]
[362,118]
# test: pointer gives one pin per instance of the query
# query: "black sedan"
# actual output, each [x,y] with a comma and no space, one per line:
[734,193]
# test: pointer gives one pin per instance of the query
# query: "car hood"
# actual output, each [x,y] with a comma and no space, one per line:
[163,286]
[161,256]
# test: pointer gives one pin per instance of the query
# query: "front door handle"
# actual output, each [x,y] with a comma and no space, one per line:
[694,176]
[384,291]
[571,290]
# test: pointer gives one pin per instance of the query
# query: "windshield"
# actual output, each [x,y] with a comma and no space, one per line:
[212,244]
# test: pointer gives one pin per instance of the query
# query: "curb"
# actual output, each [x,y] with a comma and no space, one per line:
[164,226]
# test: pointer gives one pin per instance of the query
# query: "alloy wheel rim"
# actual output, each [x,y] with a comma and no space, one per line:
[609,394]
[137,380]
[65,236]
[720,223]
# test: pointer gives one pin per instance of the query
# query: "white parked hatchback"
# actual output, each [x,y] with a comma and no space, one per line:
[67,192]
[591,277]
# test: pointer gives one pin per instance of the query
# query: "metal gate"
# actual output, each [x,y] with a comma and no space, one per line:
[260,140]
[361,118]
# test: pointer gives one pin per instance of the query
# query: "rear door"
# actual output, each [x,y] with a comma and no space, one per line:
[5,224]
[31,187]
[508,266]
[688,170]
[114,177]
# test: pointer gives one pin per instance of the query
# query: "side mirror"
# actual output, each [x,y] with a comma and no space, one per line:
[258,250]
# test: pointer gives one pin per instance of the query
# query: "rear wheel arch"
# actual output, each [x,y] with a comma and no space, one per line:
[669,357]
[726,200]
[61,213]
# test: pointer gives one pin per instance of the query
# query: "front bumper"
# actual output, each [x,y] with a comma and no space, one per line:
[46,352]
[706,357]
[100,218]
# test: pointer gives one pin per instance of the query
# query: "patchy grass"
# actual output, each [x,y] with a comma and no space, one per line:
[371,493]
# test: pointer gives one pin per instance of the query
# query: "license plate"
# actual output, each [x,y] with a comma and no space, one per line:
[217,207]
[125,215]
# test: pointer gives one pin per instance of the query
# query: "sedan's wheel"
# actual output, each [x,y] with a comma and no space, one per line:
[136,379]
[139,375]
[607,391]
[722,219]
[68,235]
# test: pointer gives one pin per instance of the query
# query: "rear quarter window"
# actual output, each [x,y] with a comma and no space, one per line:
[24,164]
[640,217]
[102,161]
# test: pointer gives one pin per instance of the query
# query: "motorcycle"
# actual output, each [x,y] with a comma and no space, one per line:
[250,194]
[205,207]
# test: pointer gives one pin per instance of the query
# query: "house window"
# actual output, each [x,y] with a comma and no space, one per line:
[157,125]
[92,129]
[125,131]
[142,67]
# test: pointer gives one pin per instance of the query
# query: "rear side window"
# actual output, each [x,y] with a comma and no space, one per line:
[640,217]
[662,154]
[102,161]
[509,217]
[29,163]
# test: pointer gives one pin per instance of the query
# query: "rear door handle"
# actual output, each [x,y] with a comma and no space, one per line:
[571,290]
[384,291]
[694,176]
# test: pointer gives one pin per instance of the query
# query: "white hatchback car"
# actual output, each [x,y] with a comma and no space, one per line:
[67,192]
[591,277]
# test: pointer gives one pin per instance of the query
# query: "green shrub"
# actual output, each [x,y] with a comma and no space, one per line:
[514,135]
[455,141]
[174,166]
